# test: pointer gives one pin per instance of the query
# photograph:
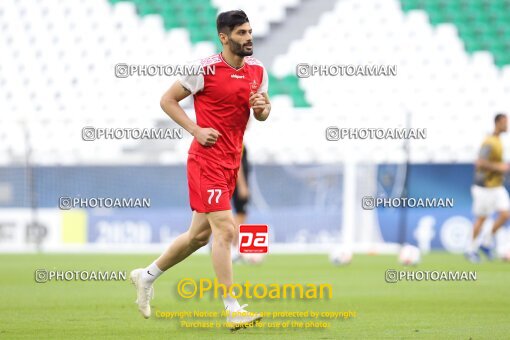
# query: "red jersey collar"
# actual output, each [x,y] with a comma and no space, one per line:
[236,69]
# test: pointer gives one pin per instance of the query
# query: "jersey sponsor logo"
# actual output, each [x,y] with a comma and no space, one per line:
[253,238]
[237,76]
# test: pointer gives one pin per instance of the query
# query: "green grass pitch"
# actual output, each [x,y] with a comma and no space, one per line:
[433,310]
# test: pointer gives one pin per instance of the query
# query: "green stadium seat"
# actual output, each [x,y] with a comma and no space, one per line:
[147,9]
[497,6]
[471,6]
[476,16]
[481,29]
[437,20]
[408,5]
[464,28]
[502,58]
[431,6]
[473,45]
[454,16]
[299,101]
[171,21]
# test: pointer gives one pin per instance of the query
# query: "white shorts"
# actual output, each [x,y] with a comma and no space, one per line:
[487,201]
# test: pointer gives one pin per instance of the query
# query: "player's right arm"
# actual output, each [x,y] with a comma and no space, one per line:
[170,104]
[483,162]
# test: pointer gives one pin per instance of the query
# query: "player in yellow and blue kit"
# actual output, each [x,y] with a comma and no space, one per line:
[489,194]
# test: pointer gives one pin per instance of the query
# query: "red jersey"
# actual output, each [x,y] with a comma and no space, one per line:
[221,98]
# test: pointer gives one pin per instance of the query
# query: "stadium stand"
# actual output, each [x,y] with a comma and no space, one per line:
[482,25]
[438,83]
[198,17]
[452,59]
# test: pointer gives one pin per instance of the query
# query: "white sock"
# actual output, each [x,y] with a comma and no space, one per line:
[151,273]
[231,303]
[473,247]
[487,240]
[234,253]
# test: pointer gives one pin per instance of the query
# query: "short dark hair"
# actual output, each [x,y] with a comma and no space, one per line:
[227,21]
[499,116]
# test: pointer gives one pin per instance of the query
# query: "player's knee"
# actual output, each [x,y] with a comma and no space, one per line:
[226,234]
[200,240]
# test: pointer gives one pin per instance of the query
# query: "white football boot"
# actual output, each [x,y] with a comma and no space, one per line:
[144,292]
[242,319]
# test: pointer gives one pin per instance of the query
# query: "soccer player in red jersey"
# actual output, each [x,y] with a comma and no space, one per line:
[222,100]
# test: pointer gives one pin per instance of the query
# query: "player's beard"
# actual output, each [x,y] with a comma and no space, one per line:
[238,49]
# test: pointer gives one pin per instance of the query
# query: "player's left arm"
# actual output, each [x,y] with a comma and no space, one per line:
[483,162]
[261,105]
